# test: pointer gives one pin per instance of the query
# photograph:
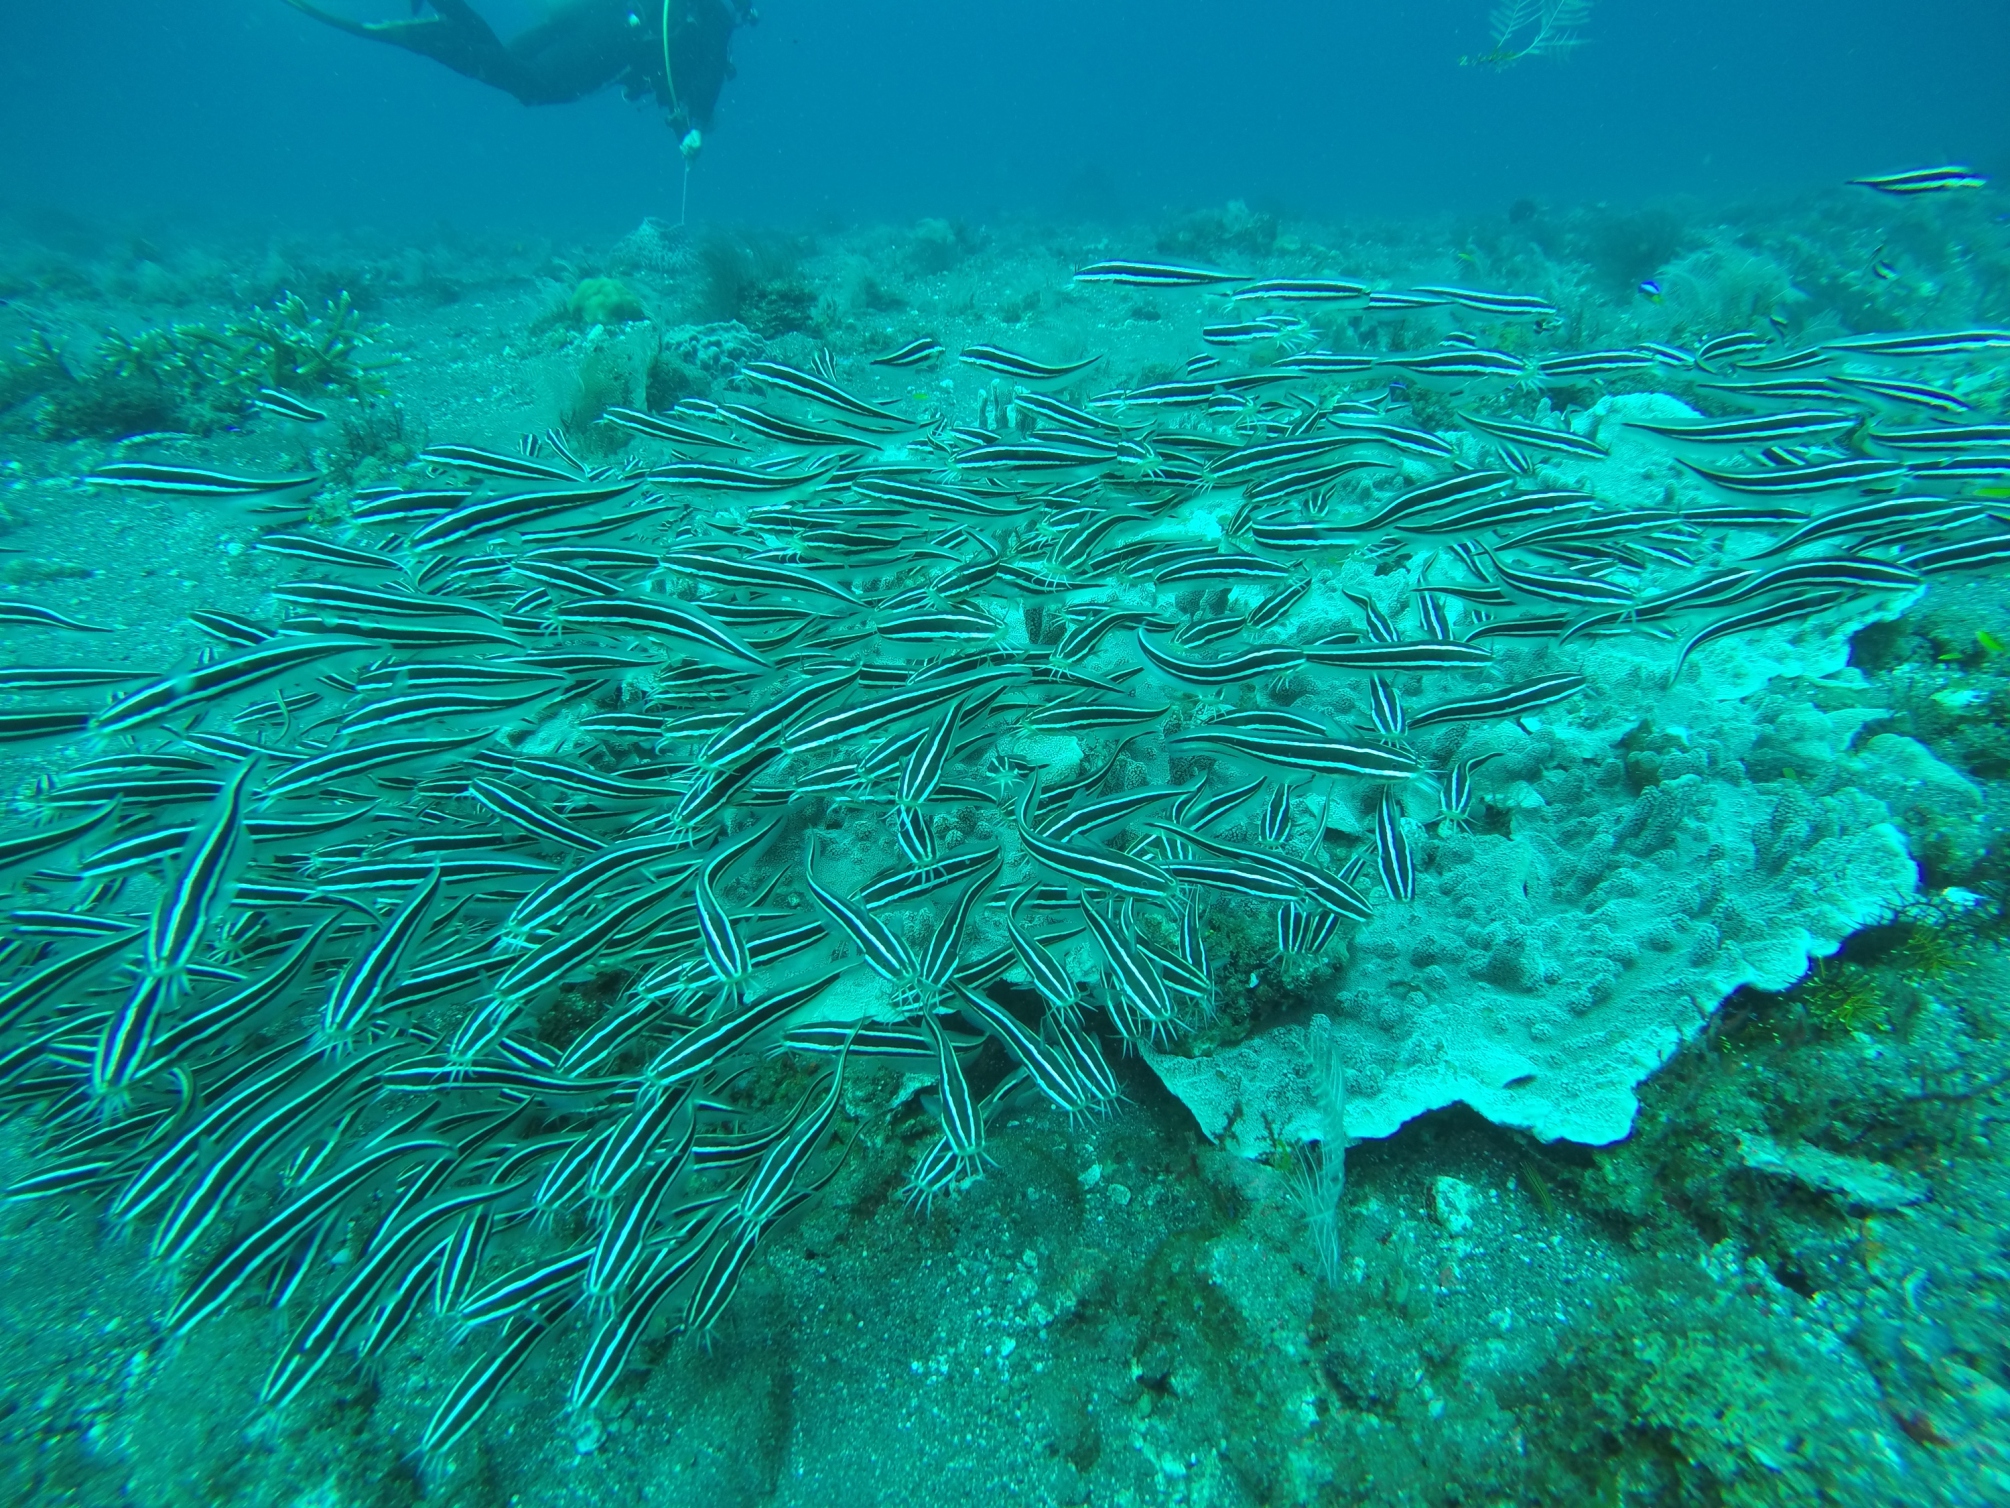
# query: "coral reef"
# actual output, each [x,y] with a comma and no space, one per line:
[199,379]
[1779,1288]
[604,301]
[1650,850]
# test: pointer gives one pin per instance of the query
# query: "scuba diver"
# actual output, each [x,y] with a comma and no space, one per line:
[675,50]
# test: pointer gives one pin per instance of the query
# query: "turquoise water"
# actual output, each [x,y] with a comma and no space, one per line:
[1091,773]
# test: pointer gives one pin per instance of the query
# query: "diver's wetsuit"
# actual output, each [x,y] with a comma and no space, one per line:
[580,48]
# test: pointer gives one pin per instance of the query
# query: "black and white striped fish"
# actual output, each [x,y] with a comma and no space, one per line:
[916,353]
[1131,274]
[1923,181]
[1507,305]
[287,406]
[1300,291]
[1922,346]
[1536,436]
[1025,368]
[1801,481]
[815,389]
[1764,429]
[1509,702]
[193,481]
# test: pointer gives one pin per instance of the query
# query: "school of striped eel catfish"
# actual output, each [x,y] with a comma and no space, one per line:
[418,948]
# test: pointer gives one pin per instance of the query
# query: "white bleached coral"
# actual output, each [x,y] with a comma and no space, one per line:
[1648,849]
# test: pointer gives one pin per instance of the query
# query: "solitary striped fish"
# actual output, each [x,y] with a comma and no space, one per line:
[1511,305]
[1923,181]
[1801,480]
[1513,701]
[1536,436]
[1130,274]
[814,389]
[916,353]
[194,481]
[1025,368]
[29,614]
[287,406]
[1301,291]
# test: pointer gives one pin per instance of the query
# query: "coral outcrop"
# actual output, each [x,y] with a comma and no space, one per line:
[1643,851]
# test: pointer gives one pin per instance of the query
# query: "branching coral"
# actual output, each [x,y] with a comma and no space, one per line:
[196,378]
[35,369]
[291,348]
[1532,28]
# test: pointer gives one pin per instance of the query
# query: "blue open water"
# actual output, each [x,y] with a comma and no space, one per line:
[241,108]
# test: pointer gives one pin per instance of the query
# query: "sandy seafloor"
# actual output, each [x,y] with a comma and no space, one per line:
[1118,1313]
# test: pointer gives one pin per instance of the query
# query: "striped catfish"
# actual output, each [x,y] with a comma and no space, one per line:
[503,513]
[818,390]
[672,1266]
[192,904]
[359,993]
[1053,983]
[1096,868]
[265,1125]
[1319,754]
[1984,552]
[1802,480]
[629,1212]
[1509,702]
[1250,665]
[253,1254]
[24,997]
[1324,889]
[478,1386]
[1138,983]
[210,683]
[703,1048]
[1536,436]
[314,1343]
[1132,274]
[194,481]
[1799,427]
[660,616]
[1397,657]
[1788,609]
[1510,305]
[1049,1068]
[1392,849]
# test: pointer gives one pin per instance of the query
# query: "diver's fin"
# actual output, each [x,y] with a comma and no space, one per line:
[454,35]
[329,18]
